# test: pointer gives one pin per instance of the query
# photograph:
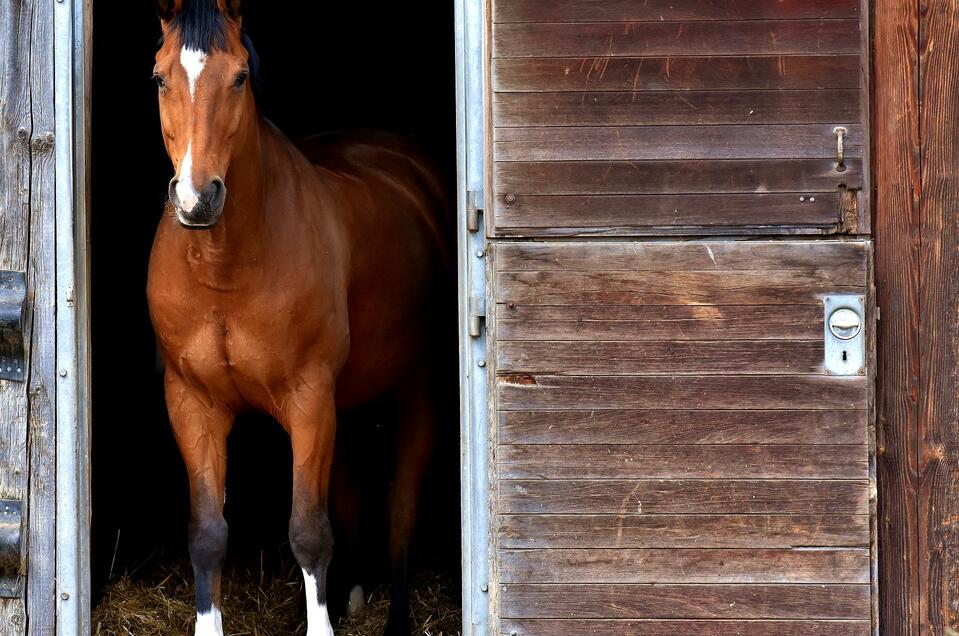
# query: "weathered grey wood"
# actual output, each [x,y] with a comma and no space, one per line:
[764,357]
[683,427]
[684,496]
[838,565]
[724,602]
[657,627]
[27,463]
[617,215]
[793,72]
[808,176]
[594,39]
[670,461]
[682,531]
[843,259]
[676,323]
[676,108]
[668,10]
[644,143]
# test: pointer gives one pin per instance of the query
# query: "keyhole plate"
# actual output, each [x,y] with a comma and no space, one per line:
[844,333]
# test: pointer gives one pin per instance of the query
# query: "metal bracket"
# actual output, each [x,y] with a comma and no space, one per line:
[472,212]
[13,298]
[840,133]
[844,330]
[11,523]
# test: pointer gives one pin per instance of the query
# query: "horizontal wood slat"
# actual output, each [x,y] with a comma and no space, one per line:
[666,108]
[788,357]
[839,565]
[669,10]
[592,39]
[643,143]
[676,73]
[683,496]
[659,627]
[677,323]
[701,461]
[682,427]
[682,531]
[799,176]
[723,602]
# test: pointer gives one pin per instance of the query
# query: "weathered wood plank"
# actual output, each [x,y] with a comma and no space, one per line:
[672,10]
[682,427]
[896,158]
[672,287]
[669,461]
[623,215]
[682,531]
[847,259]
[595,39]
[683,108]
[658,627]
[798,176]
[684,496]
[645,143]
[839,565]
[794,72]
[676,323]
[523,392]
[764,357]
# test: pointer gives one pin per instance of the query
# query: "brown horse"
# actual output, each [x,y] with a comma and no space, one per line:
[288,283]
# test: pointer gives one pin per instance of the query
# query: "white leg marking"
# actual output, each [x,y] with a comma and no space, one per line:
[193,62]
[317,618]
[357,601]
[209,623]
[185,191]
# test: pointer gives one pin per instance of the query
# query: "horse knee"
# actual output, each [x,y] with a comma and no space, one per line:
[208,541]
[311,538]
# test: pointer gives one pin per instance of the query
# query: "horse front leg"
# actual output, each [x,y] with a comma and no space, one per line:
[312,426]
[201,428]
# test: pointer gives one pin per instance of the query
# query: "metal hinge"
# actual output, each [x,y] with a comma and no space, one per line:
[472,211]
[13,298]
[477,315]
[11,561]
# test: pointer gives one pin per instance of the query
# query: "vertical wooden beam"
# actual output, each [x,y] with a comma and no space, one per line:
[939,330]
[896,177]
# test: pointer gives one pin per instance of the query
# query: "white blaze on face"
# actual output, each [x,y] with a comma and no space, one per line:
[193,62]
[317,618]
[210,623]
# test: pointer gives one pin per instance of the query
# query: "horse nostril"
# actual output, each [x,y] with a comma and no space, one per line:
[171,192]
[214,193]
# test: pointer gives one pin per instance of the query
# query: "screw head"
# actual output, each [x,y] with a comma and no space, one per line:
[65,596]
[510,198]
[481,363]
[63,373]
[511,305]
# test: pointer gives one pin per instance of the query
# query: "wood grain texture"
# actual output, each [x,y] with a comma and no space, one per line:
[684,496]
[676,108]
[683,427]
[657,627]
[675,323]
[798,176]
[839,565]
[714,38]
[682,531]
[722,602]
[668,10]
[643,143]
[795,72]
[897,223]
[938,342]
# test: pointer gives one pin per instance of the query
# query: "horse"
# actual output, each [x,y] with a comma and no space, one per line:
[291,280]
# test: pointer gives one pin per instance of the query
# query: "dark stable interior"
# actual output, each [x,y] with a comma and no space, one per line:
[324,66]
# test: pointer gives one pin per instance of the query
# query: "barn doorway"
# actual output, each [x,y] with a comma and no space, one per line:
[324,67]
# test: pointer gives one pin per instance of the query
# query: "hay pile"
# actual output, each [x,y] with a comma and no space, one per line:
[161,604]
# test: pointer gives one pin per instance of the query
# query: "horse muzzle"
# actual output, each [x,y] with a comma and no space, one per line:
[198,210]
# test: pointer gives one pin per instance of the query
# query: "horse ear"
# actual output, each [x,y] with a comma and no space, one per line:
[230,7]
[168,8]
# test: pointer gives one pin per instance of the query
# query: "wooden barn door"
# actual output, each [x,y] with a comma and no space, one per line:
[681,420]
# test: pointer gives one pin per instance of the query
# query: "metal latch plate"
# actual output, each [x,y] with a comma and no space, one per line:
[13,296]
[844,330]
[11,529]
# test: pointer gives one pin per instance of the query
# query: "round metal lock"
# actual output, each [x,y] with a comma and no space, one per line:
[845,324]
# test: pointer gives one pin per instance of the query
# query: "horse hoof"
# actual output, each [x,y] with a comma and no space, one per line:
[356,602]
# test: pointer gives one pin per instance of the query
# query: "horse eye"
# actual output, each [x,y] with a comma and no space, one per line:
[161,83]
[241,79]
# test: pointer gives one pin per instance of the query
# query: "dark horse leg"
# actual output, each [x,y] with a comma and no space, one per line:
[345,501]
[416,439]
[312,426]
[201,429]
